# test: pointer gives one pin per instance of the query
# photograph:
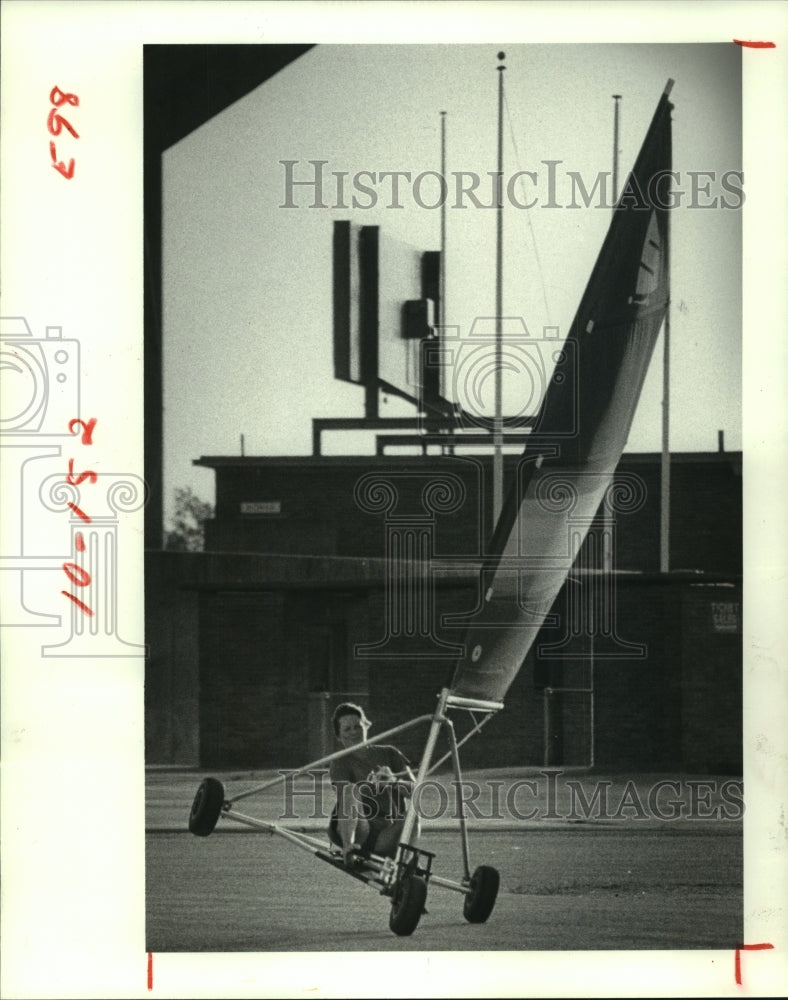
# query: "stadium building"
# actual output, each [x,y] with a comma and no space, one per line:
[301,600]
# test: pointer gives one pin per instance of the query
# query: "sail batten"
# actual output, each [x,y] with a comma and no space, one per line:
[561,479]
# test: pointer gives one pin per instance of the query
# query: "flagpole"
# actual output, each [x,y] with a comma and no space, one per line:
[664,524]
[664,513]
[440,319]
[498,427]
[442,271]
[616,98]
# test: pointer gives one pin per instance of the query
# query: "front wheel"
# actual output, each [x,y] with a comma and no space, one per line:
[207,807]
[408,905]
[480,900]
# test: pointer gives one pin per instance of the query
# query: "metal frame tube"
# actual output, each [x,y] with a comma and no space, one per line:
[272,782]
[438,720]
[446,883]
[379,875]
[301,840]
[313,845]
[377,871]
[455,756]
[457,701]
[546,724]
[476,728]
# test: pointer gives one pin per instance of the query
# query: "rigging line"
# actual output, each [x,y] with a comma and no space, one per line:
[527,214]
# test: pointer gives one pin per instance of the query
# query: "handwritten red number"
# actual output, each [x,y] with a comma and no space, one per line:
[79,604]
[80,476]
[79,512]
[66,171]
[58,98]
[56,123]
[77,574]
[87,433]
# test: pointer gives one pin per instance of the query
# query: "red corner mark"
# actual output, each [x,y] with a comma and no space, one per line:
[746,947]
[755,45]
[150,969]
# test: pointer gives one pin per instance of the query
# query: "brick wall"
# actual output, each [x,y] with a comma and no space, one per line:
[711,719]
[172,676]
[637,699]
[246,688]
[319,512]
[677,706]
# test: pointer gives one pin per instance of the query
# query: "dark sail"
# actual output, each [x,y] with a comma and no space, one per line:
[563,477]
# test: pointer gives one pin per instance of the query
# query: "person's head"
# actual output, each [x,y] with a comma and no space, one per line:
[350,724]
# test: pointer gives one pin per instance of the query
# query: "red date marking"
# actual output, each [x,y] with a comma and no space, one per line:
[79,512]
[81,476]
[77,574]
[59,165]
[87,429]
[82,607]
[58,98]
[56,122]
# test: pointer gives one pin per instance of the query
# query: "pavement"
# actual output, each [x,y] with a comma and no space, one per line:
[497,799]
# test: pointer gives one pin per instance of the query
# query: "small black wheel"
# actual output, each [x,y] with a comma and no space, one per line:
[408,905]
[480,900]
[207,807]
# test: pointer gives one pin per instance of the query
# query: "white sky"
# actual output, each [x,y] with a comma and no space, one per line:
[247,284]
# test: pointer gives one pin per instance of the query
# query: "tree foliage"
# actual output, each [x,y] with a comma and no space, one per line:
[187,527]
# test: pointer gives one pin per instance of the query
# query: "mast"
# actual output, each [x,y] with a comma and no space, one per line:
[614,369]
[498,426]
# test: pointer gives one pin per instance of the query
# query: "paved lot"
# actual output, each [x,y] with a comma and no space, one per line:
[635,884]
[576,890]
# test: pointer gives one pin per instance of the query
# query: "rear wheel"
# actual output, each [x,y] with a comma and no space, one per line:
[480,900]
[408,905]
[207,807]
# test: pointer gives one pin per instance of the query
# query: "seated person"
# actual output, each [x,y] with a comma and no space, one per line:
[372,785]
